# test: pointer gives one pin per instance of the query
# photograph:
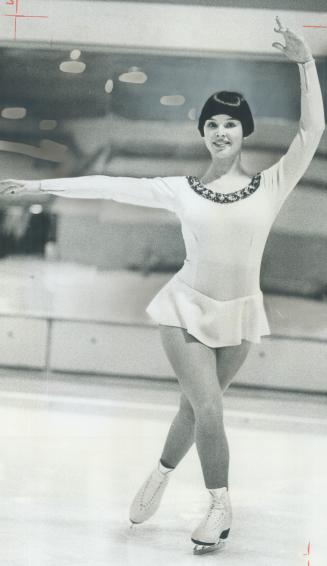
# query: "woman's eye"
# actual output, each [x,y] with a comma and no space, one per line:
[226,125]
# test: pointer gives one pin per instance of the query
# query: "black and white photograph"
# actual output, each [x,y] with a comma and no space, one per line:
[163,282]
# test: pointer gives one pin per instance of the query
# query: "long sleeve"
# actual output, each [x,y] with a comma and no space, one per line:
[283,176]
[156,192]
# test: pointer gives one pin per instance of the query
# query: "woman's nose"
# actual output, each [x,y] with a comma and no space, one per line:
[220,130]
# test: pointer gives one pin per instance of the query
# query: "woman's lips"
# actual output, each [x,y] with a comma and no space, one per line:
[220,144]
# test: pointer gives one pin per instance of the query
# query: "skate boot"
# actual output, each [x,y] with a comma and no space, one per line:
[214,528]
[148,498]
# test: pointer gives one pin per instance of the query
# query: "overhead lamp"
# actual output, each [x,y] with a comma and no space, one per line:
[172,100]
[13,113]
[134,75]
[75,54]
[109,86]
[74,67]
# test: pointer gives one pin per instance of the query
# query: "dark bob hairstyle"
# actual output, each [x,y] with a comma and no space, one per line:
[231,103]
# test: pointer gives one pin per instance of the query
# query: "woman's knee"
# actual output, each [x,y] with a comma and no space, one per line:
[186,411]
[209,413]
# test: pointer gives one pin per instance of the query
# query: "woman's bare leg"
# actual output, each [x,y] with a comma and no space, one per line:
[180,436]
[229,360]
[195,366]
[201,419]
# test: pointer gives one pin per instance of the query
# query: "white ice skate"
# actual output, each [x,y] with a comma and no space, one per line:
[214,528]
[147,499]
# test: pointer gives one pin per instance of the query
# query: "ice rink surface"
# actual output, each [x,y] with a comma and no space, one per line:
[75,449]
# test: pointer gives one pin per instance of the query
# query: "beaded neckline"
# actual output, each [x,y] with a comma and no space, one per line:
[224,198]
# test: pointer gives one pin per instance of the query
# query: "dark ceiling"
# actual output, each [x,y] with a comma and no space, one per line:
[31,78]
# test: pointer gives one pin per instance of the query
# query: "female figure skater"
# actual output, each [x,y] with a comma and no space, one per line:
[212,309]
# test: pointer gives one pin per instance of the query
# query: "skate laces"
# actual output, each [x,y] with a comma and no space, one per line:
[147,485]
[216,505]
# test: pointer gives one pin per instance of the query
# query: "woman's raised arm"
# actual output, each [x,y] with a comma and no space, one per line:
[156,192]
[285,174]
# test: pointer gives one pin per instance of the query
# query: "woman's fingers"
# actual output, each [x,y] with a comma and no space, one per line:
[295,48]
[278,46]
[11,186]
[15,186]
[281,28]
[4,187]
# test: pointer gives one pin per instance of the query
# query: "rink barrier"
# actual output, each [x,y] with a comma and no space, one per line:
[83,347]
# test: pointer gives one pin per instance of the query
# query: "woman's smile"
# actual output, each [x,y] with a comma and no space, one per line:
[221,144]
[223,135]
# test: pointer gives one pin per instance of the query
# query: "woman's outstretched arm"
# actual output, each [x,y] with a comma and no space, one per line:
[156,192]
[285,174]
[292,166]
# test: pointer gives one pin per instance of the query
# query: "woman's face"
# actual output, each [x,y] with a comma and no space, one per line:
[223,135]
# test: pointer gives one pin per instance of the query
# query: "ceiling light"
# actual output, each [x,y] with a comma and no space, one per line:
[74,67]
[109,86]
[192,114]
[13,113]
[172,100]
[134,76]
[75,54]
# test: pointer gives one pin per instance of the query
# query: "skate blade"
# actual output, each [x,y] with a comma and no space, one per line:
[133,524]
[205,549]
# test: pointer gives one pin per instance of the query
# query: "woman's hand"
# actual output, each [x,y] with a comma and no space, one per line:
[295,48]
[16,187]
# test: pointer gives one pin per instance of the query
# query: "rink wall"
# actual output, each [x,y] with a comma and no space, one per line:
[292,359]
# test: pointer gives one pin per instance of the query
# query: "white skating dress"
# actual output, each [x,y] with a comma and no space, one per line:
[216,295]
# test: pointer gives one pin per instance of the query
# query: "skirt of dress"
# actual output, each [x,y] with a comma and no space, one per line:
[214,323]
